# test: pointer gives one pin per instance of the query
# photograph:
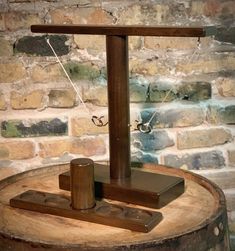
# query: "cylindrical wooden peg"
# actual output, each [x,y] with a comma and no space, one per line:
[82,183]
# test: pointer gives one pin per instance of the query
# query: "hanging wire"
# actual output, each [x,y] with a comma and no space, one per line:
[98,121]
[147,127]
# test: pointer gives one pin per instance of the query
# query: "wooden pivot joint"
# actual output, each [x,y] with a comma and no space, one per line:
[82,183]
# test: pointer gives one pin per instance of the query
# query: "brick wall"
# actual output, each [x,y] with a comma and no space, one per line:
[43,122]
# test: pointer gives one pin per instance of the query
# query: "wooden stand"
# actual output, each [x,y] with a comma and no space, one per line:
[120,182]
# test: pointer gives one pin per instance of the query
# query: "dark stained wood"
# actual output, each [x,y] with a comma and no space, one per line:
[103,213]
[197,220]
[118,102]
[127,30]
[142,188]
[82,183]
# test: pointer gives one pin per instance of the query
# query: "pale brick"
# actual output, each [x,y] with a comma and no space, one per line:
[6,49]
[81,16]
[3,105]
[226,87]
[2,22]
[231,156]
[175,43]
[30,100]
[10,72]
[90,42]
[17,150]
[203,138]
[62,98]
[49,73]
[134,43]
[221,114]
[20,20]
[85,147]
[83,126]
[197,8]
[96,94]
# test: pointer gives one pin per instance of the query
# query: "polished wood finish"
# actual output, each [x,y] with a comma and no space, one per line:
[197,220]
[103,213]
[82,183]
[142,188]
[127,30]
[118,102]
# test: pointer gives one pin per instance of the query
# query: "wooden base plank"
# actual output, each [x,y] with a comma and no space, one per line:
[103,213]
[142,188]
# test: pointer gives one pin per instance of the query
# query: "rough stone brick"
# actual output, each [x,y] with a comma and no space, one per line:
[195,91]
[203,138]
[2,22]
[219,115]
[84,126]
[153,141]
[30,100]
[10,72]
[38,46]
[79,71]
[160,91]
[231,156]
[90,42]
[34,128]
[225,34]
[138,89]
[48,73]
[196,161]
[62,98]
[226,87]
[178,117]
[3,105]
[17,150]
[141,157]
[81,16]
[134,43]
[85,147]
[20,20]
[96,94]
[6,49]
[175,43]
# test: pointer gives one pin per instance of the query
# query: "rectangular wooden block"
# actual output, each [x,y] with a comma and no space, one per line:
[103,213]
[142,188]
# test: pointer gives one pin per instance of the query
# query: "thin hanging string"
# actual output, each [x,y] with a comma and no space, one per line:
[146,127]
[98,121]
[67,75]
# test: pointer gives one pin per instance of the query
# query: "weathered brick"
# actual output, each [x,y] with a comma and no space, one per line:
[2,22]
[219,114]
[79,71]
[225,34]
[38,46]
[226,87]
[141,157]
[196,161]
[81,16]
[10,72]
[90,42]
[231,156]
[19,20]
[85,147]
[174,43]
[17,150]
[178,117]
[6,49]
[195,91]
[48,73]
[203,138]
[34,128]
[62,98]
[134,43]
[3,105]
[153,141]
[30,100]
[96,94]
[83,126]
[138,89]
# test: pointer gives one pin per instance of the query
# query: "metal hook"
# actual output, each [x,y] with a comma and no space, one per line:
[144,127]
[97,121]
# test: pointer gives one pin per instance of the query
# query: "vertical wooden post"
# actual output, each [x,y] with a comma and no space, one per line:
[119,111]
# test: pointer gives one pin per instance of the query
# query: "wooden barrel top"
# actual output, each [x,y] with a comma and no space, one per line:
[197,219]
